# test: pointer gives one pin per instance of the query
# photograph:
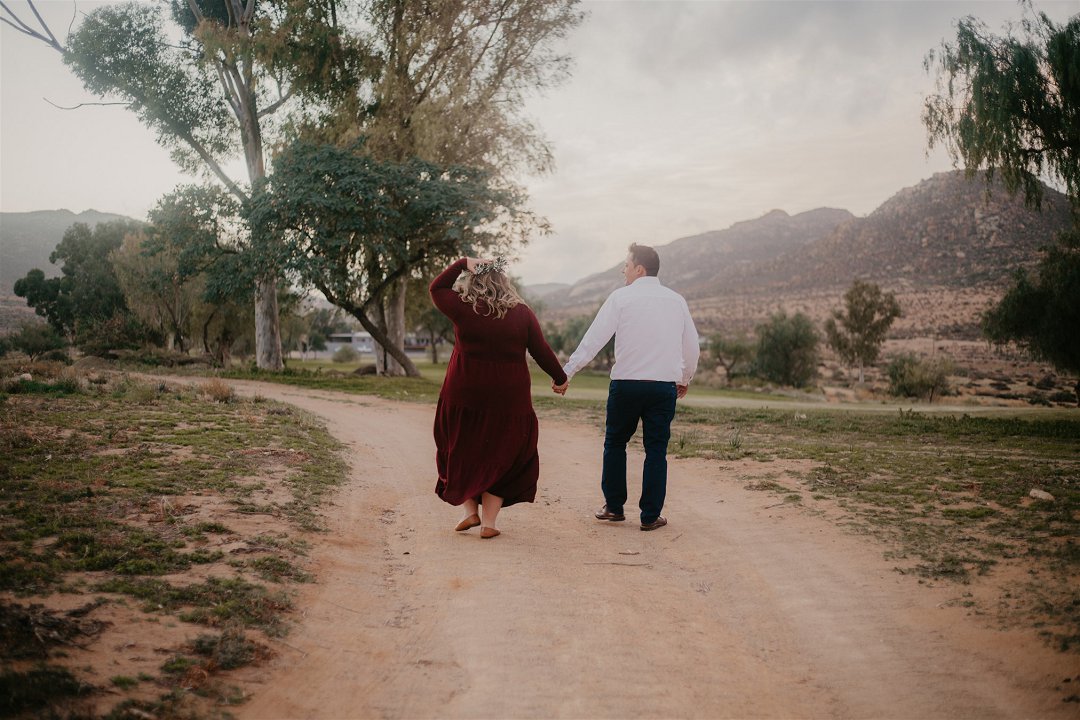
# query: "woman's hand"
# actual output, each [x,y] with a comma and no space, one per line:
[471,263]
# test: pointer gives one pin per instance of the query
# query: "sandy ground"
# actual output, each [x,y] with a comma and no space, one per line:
[737,609]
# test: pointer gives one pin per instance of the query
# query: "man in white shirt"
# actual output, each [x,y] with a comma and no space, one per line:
[656,355]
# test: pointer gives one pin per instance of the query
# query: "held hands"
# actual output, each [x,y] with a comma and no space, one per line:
[680,391]
[560,389]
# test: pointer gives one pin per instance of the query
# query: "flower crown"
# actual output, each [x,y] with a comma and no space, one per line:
[496,265]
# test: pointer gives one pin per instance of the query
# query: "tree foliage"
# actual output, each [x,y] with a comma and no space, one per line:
[1010,104]
[1041,310]
[911,377]
[734,354]
[36,339]
[787,349]
[87,291]
[351,226]
[857,331]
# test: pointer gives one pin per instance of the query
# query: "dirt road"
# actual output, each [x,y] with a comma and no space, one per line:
[735,610]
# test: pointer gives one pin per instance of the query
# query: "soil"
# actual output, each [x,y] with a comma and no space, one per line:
[741,607]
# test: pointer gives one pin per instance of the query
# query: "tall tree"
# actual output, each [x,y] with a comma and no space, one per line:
[449,88]
[353,226]
[211,97]
[857,331]
[1012,104]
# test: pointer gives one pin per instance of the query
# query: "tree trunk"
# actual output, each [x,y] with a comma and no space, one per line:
[267,329]
[395,326]
[861,378]
[384,342]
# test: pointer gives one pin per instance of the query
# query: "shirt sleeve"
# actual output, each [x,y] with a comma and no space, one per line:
[542,353]
[442,290]
[596,337]
[691,348]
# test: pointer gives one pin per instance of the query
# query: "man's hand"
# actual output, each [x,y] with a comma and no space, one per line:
[560,389]
[680,391]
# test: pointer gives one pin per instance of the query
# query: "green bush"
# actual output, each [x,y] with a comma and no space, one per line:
[345,354]
[910,376]
[36,340]
[787,350]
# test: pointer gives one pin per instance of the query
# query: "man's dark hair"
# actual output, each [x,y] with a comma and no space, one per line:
[646,257]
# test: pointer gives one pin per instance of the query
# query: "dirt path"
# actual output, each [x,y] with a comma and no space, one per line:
[735,609]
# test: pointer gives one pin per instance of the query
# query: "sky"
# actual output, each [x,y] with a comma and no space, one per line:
[678,118]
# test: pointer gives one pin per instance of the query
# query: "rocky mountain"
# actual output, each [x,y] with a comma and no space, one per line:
[28,238]
[716,257]
[946,232]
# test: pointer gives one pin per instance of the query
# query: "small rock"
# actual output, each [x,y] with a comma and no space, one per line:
[25,376]
[1041,495]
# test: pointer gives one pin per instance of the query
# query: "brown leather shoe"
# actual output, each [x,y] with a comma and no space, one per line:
[657,523]
[604,514]
[488,533]
[469,522]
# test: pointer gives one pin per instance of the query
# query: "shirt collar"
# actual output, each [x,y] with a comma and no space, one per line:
[646,280]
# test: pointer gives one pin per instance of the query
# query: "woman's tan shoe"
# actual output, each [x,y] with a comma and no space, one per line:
[469,522]
[487,532]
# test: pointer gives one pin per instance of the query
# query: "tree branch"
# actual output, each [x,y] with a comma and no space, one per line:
[273,107]
[55,42]
[76,107]
[27,30]
[210,161]
[195,11]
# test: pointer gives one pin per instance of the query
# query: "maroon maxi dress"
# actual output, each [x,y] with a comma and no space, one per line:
[485,427]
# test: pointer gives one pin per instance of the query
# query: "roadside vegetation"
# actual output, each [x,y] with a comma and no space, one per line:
[162,518]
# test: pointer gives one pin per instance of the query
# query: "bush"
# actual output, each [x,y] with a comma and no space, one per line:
[345,354]
[36,340]
[911,377]
[787,350]
[122,331]
[218,391]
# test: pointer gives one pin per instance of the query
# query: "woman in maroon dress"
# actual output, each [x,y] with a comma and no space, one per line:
[485,427]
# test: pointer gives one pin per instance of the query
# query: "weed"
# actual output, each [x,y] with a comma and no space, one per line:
[124,682]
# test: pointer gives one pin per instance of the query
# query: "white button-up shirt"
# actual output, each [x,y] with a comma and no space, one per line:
[655,337]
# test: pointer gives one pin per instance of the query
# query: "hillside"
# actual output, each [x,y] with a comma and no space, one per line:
[26,241]
[945,246]
[945,231]
[716,257]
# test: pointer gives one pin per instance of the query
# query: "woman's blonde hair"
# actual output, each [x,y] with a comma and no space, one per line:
[493,290]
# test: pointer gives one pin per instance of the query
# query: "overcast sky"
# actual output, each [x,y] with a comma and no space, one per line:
[680,117]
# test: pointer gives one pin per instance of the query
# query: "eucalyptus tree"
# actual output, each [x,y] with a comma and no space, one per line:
[352,226]
[211,95]
[449,87]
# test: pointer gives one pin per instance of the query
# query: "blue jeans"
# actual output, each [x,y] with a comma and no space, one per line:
[653,403]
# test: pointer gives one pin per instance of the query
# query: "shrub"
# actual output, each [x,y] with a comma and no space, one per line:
[36,340]
[911,377]
[345,354]
[787,350]
[218,390]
